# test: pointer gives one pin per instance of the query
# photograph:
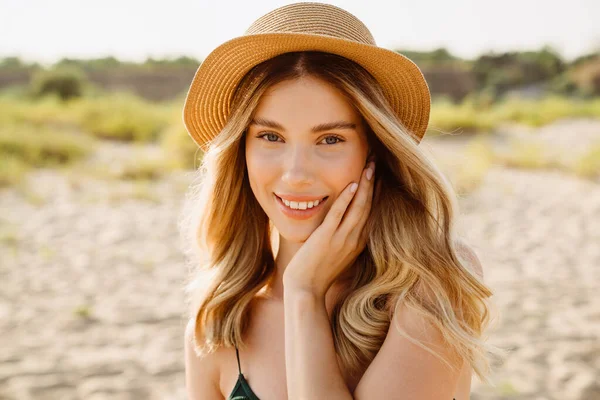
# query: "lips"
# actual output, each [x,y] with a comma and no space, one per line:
[298,213]
[297,199]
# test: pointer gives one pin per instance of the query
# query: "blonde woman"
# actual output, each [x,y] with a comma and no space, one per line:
[326,262]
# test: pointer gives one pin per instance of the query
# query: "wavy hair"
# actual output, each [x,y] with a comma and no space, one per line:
[412,257]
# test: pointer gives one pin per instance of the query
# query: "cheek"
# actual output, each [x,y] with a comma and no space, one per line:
[261,170]
[258,157]
[340,171]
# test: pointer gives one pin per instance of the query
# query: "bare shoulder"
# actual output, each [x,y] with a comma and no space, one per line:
[467,253]
[201,371]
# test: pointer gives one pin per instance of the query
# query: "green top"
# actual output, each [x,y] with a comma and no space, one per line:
[241,390]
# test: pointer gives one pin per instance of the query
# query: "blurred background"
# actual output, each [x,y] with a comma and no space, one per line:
[95,162]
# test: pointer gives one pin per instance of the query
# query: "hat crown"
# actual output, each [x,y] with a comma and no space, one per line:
[315,19]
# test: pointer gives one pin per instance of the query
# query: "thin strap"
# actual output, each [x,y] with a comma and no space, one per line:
[237,354]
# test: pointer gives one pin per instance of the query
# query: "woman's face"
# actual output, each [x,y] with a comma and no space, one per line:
[305,143]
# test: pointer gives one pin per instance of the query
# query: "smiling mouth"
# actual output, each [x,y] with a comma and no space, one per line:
[301,205]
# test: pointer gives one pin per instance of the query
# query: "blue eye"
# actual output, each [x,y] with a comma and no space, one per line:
[269,135]
[337,138]
[273,138]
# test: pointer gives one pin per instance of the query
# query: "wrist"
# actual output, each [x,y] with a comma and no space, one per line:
[297,290]
[299,301]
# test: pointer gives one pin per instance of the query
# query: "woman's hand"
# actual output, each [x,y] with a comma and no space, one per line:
[336,243]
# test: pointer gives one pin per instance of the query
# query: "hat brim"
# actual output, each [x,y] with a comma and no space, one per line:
[208,100]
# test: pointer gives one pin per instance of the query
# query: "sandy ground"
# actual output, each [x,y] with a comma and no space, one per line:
[91,274]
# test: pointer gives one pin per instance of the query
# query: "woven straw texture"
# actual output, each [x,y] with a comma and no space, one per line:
[301,27]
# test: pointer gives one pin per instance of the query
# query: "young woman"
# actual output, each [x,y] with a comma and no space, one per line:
[327,263]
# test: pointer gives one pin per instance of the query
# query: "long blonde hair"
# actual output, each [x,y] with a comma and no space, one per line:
[412,253]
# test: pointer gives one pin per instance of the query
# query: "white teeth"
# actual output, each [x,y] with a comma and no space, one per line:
[300,205]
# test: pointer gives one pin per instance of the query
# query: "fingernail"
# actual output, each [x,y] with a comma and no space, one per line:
[353,187]
[369,173]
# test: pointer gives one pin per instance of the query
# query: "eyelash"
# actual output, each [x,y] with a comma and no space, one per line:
[339,138]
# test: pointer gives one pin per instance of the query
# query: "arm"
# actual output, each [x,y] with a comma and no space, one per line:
[201,373]
[401,369]
[405,369]
[312,370]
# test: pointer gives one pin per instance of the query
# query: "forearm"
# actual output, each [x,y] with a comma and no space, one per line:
[312,369]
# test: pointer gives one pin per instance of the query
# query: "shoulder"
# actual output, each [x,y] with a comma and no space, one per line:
[413,354]
[467,253]
[201,370]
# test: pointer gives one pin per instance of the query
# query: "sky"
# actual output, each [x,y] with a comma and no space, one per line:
[46,31]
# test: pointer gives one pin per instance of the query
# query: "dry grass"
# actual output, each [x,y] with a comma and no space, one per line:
[23,147]
[182,152]
[477,158]
[588,165]
[470,116]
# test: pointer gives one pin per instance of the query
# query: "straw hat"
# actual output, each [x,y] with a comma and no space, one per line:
[301,27]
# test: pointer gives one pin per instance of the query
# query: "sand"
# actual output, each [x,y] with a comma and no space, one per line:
[91,301]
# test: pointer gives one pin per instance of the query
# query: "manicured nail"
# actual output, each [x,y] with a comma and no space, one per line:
[353,187]
[369,173]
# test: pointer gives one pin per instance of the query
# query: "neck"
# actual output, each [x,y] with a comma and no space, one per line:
[284,252]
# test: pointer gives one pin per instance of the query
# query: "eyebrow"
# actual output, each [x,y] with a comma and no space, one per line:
[315,129]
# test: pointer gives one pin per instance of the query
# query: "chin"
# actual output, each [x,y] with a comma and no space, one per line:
[295,234]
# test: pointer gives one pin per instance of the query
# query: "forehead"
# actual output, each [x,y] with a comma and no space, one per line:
[305,98]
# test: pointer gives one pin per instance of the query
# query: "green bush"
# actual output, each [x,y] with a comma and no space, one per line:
[511,70]
[447,117]
[545,111]
[66,82]
[181,150]
[116,116]
[47,111]
[122,117]
[586,77]
[477,113]
[41,147]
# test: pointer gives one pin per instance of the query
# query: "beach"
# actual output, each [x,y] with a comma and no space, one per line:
[92,303]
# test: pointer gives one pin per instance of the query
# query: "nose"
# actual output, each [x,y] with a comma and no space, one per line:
[298,167]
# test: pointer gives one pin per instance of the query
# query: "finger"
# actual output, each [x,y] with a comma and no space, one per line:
[359,234]
[371,194]
[366,230]
[359,208]
[337,210]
